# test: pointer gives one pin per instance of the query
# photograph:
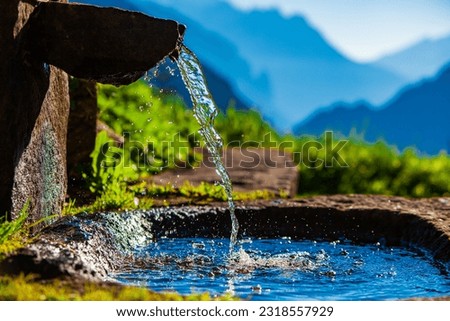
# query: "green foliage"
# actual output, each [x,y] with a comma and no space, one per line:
[107,172]
[108,179]
[376,169]
[159,130]
[9,229]
[13,234]
[115,198]
[109,200]
[247,128]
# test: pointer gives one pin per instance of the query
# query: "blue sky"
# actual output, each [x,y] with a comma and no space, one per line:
[365,30]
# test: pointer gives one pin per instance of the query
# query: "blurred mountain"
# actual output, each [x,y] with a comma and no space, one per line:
[418,116]
[223,90]
[423,59]
[303,70]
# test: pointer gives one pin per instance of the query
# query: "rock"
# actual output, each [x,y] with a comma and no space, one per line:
[34,106]
[87,247]
[82,128]
[82,132]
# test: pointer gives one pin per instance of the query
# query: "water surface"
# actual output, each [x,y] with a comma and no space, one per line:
[285,269]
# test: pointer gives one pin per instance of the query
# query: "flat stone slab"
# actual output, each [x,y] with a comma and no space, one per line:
[107,45]
[250,169]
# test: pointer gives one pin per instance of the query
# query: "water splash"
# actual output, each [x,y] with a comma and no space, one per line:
[205,111]
[284,269]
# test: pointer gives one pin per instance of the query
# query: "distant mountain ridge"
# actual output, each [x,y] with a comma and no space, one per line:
[423,59]
[282,66]
[419,116]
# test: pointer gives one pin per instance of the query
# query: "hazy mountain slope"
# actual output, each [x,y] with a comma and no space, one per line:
[418,116]
[281,65]
[423,59]
[303,69]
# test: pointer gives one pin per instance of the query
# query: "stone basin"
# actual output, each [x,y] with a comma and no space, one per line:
[95,246]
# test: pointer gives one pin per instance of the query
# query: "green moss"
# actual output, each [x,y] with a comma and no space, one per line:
[26,288]
[142,196]
[202,192]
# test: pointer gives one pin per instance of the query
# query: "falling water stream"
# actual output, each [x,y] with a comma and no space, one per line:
[205,111]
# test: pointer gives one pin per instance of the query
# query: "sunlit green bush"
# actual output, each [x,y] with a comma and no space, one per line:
[159,130]
[378,169]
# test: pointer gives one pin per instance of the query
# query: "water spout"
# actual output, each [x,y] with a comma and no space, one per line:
[118,48]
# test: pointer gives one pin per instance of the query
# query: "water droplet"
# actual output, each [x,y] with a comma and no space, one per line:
[198,245]
[257,288]
[147,77]
[330,273]
[170,70]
